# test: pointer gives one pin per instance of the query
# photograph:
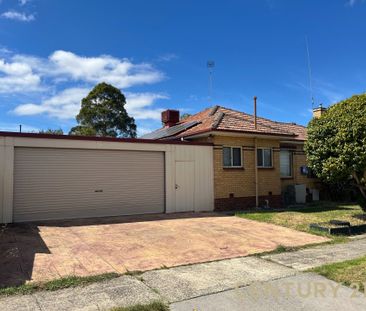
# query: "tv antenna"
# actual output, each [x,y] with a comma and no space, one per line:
[309,72]
[210,67]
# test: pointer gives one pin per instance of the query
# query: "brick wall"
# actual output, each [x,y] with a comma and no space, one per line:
[246,203]
[235,187]
[299,159]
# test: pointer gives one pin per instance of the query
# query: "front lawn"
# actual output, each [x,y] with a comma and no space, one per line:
[299,218]
[349,273]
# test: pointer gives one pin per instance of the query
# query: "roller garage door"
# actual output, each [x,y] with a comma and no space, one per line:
[72,183]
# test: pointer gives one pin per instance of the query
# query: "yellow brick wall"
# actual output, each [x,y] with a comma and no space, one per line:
[269,178]
[241,182]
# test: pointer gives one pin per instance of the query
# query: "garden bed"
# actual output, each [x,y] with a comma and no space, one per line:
[338,227]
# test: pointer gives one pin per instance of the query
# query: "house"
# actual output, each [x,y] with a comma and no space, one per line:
[216,159]
[255,159]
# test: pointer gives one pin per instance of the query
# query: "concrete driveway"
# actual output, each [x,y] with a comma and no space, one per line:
[44,251]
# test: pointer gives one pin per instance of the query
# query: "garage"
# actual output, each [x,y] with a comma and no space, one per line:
[51,183]
[54,177]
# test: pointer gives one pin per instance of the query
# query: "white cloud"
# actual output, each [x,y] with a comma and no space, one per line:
[120,72]
[23,2]
[167,57]
[139,105]
[352,3]
[4,50]
[143,130]
[18,16]
[18,77]
[65,78]
[63,66]
[331,95]
[322,91]
[64,105]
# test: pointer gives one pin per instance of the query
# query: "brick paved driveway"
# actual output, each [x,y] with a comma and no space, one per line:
[41,252]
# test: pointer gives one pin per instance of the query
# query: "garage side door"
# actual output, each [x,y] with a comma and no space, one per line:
[71,183]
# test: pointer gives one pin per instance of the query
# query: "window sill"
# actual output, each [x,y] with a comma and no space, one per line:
[265,168]
[233,168]
[288,177]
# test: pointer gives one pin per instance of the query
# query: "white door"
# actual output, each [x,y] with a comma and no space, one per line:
[74,183]
[184,186]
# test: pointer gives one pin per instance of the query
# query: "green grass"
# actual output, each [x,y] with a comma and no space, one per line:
[71,281]
[299,218]
[346,272]
[278,250]
[155,306]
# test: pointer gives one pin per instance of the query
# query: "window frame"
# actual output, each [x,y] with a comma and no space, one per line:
[290,152]
[232,158]
[263,166]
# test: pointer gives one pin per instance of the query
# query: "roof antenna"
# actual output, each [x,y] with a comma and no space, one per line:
[210,66]
[309,72]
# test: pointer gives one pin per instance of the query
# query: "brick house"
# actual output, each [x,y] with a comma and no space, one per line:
[240,141]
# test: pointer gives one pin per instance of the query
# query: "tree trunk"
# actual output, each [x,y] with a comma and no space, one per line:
[362,189]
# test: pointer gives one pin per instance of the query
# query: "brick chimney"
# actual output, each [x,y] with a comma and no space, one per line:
[170,117]
[317,112]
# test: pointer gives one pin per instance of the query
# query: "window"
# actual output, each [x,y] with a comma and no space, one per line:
[286,163]
[231,156]
[264,157]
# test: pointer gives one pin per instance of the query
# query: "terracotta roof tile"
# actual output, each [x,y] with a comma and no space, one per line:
[220,118]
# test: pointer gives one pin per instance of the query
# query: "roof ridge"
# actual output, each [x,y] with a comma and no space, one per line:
[263,118]
[218,119]
[213,110]
[264,125]
[235,110]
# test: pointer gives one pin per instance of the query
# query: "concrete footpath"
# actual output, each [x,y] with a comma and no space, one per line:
[248,283]
[305,291]
[309,258]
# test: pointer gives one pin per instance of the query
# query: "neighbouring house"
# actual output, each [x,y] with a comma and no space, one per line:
[240,141]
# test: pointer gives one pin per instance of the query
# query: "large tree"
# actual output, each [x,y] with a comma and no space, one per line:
[103,113]
[336,145]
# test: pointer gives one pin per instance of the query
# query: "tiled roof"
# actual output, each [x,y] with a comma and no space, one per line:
[219,118]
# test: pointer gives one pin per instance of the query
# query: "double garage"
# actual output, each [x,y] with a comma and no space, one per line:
[48,177]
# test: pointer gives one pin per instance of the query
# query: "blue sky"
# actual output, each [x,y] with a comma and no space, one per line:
[53,52]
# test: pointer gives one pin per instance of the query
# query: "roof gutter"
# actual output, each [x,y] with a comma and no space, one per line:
[97,138]
[221,132]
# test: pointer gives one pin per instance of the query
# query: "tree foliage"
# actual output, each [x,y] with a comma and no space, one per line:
[81,130]
[103,113]
[52,131]
[336,145]
[185,116]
